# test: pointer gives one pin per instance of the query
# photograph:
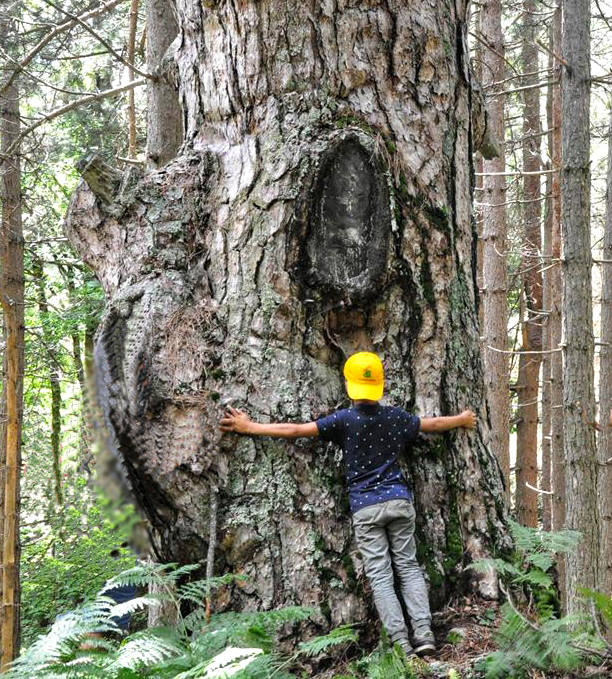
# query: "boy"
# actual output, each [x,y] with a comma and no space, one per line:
[372,436]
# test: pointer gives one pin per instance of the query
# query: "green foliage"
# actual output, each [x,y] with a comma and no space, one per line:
[386,662]
[84,643]
[536,639]
[531,564]
[602,602]
[548,645]
[68,560]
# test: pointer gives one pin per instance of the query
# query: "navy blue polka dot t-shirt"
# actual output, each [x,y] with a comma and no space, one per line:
[371,437]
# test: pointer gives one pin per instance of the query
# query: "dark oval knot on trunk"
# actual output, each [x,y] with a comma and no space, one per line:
[342,235]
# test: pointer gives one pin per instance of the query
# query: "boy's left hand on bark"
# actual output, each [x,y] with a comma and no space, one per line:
[235,420]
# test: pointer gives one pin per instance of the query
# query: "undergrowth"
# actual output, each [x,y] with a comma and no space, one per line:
[532,633]
[86,643]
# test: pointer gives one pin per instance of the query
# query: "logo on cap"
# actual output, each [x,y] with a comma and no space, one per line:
[367,374]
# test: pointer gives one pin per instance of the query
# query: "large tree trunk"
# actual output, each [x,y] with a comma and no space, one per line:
[11,298]
[531,278]
[578,389]
[323,207]
[604,441]
[494,242]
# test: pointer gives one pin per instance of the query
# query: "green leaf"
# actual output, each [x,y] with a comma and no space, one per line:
[540,560]
[345,634]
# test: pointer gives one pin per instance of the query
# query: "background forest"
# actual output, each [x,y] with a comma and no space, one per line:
[75,81]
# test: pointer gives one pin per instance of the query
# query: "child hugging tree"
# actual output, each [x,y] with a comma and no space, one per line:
[372,437]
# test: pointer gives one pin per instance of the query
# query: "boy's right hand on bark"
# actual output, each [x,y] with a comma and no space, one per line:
[235,420]
[468,419]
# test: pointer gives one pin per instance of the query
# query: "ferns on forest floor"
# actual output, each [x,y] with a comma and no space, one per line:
[81,643]
[538,639]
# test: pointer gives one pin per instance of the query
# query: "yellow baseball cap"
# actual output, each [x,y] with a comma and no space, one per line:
[365,377]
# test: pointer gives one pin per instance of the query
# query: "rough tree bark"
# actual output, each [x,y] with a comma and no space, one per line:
[11,298]
[494,242]
[164,117]
[604,441]
[322,205]
[528,390]
[578,389]
[556,374]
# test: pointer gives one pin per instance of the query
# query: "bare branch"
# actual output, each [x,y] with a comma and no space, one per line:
[61,28]
[519,352]
[514,174]
[547,49]
[100,39]
[69,107]
[544,83]
[539,490]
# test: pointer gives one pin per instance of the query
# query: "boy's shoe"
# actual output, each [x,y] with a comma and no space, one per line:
[424,642]
[404,644]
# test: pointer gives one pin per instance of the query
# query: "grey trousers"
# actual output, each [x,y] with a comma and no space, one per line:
[385,537]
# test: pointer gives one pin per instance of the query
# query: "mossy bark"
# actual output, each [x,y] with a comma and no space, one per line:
[250,267]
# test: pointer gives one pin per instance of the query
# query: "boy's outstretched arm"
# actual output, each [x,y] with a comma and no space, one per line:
[236,420]
[465,419]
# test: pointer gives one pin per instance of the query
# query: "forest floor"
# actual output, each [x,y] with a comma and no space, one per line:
[465,631]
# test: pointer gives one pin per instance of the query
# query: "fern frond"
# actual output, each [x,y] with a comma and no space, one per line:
[535,578]
[149,648]
[142,575]
[227,663]
[562,541]
[263,667]
[385,664]
[345,634]
[542,560]
[487,565]
[269,620]
[524,537]
[178,573]
[133,605]
[197,590]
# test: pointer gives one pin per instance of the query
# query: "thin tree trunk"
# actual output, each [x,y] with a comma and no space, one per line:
[604,443]
[164,116]
[55,387]
[495,310]
[529,364]
[11,297]
[478,166]
[556,379]
[85,438]
[131,54]
[3,433]
[578,391]
[545,482]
